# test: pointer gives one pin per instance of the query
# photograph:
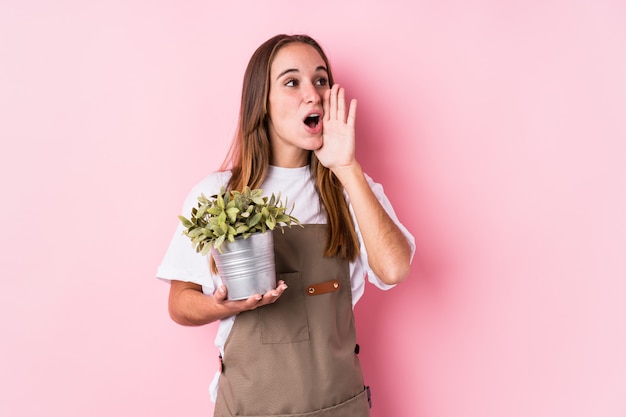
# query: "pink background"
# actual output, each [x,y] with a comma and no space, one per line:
[498,129]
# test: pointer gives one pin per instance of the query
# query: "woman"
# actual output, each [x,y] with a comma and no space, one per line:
[286,351]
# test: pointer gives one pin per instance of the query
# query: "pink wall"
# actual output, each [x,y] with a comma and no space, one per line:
[498,129]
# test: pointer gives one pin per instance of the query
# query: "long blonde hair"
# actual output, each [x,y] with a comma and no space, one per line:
[250,152]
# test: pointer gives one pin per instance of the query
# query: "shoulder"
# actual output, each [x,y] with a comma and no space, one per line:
[209,185]
[212,183]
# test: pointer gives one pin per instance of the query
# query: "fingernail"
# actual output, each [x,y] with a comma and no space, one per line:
[259,298]
[274,294]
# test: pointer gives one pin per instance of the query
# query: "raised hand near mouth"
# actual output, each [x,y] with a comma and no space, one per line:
[338,149]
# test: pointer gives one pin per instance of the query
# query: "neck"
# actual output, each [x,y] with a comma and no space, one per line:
[295,160]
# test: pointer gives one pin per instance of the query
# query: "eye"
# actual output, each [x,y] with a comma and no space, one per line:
[291,83]
[322,82]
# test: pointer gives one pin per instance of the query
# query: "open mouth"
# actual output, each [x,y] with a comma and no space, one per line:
[312,121]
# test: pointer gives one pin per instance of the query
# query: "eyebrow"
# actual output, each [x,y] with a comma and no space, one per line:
[287,71]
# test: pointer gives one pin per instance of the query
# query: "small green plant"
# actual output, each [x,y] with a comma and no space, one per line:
[232,214]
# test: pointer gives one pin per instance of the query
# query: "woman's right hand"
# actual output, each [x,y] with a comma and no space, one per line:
[252,302]
[189,306]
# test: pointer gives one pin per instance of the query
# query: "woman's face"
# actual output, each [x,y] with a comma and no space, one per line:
[298,80]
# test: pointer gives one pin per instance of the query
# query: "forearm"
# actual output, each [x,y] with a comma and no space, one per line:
[388,250]
[188,306]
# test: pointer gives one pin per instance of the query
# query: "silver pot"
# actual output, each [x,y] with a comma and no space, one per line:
[246,266]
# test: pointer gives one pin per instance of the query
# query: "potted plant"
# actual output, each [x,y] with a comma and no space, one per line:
[232,225]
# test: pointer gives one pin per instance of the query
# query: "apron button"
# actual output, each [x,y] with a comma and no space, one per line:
[311,290]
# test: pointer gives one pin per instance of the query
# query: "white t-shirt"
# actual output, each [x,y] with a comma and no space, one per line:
[296,187]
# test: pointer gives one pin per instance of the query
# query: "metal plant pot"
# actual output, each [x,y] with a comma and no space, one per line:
[246,266]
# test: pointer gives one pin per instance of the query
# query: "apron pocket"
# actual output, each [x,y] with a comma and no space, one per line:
[286,321]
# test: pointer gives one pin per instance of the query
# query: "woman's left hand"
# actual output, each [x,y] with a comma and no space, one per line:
[339,130]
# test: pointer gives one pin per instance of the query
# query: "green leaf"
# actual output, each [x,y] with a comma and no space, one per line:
[201,210]
[232,214]
[254,220]
[187,223]
[241,229]
[218,242]
[194,232]
[205,250]
[283,218]
[198,239]
[216,229]
[214,211]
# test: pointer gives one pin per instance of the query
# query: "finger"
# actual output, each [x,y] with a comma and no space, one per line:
[352,113]
[326,105]
[341,105]
[272,295]
[258,300]
[220,294]
[280,287]
[333,101]
[253,301]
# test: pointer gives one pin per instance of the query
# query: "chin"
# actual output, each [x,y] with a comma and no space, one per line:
[312,143]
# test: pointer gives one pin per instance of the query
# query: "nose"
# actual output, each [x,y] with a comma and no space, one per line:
[310,94]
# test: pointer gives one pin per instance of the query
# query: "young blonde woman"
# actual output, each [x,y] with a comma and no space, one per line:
[288,352]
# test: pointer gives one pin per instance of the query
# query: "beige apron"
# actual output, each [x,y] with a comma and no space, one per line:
[297,357]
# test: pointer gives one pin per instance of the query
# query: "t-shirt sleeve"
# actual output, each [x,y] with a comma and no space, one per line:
[181,261]
[386,204]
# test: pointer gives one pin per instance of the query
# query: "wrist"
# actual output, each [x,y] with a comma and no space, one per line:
[347,174]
